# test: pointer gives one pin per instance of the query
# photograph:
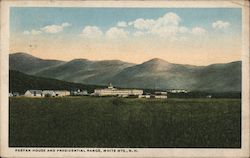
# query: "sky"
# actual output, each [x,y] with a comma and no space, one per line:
[195,36]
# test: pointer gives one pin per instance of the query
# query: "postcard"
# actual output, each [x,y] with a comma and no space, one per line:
[124,78]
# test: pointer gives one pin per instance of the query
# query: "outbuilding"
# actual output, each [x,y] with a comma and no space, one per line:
[160,96]
[10,95]
[144,96]
[49,93]
[61,93]
[34,93]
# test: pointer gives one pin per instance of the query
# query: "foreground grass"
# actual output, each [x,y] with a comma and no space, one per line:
[121,122]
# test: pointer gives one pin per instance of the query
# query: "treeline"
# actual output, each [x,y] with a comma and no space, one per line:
[20,82]
[205,95]
[199,94]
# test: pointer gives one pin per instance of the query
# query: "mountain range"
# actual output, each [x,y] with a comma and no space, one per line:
[153,74]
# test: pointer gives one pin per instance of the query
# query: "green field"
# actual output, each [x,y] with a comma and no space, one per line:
[124,122]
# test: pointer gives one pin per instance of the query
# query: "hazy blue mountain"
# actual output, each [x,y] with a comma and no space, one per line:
[153,74]
[29,64]
[85,71]
[219,77]
[158,73]
[77,70]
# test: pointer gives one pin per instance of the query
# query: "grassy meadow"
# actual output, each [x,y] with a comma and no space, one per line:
[124,122]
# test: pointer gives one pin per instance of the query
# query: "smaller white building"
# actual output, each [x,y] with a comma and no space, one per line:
[177,91]
[46,93]
[161,93]
[15,94]
[79,92]
[160,96]
[34,93]
[144,96]
[10,95]
[49,93]
[209,96]
[61,93]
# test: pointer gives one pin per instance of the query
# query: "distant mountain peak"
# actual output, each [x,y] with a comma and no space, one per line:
[26,56]
[22,54]
[157,60]
[80,60]
[28,63]
[111,60]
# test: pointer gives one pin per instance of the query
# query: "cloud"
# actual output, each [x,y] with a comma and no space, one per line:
[122,24]
[198,31]
[116,33]
[47,29]
[142,23]
[169,19]
[164,26]
[220,24]
[165,31]
[55,28]
[52,29]
[91,32]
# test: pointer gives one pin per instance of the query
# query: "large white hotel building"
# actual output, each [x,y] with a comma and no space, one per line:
[111,91]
